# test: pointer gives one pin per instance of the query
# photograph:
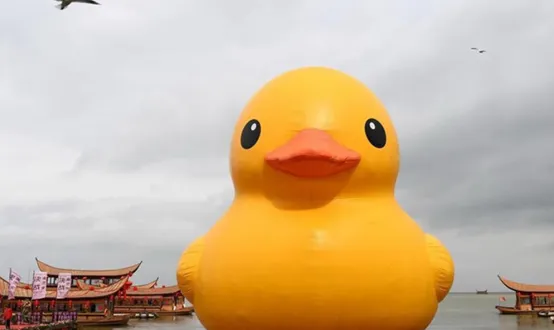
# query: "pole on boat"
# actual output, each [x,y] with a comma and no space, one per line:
[10,281]
[33,288]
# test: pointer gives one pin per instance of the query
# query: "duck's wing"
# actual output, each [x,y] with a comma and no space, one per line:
[187,269]
[442,264]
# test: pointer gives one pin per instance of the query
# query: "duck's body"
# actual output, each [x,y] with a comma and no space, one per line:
[314,238]
[322,273]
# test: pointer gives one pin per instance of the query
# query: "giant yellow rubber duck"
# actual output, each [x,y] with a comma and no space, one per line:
[314,238]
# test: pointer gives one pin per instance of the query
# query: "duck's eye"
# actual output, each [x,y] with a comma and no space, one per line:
[375,133]
[250,134]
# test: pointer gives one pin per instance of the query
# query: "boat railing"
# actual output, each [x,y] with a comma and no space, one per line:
[31,318]
[64,316]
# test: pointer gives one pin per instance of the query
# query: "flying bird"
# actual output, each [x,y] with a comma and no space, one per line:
[481,51]
[64,3]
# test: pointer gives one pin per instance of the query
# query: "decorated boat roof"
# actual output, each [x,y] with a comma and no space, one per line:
[27,292]
[24,285]
[529,288]
[149,285]
[85,286]
[138,290]
[162,291]
[51,270]
[48,288]
[81,285]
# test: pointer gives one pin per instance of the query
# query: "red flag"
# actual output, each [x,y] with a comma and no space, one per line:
[502,298]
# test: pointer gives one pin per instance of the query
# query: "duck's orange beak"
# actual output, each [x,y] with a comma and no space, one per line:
[312,153]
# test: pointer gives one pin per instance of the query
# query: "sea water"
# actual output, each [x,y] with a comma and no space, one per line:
[459,311]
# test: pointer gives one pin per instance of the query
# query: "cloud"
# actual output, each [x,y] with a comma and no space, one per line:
[116,120]
[111,232]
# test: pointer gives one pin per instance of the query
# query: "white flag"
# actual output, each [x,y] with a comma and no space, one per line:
[64,284]
[39,285]
[14,280]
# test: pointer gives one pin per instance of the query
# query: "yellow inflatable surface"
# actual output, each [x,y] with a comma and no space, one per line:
[314,238]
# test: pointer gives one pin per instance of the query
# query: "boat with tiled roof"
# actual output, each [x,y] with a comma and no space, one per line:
[165,300]
[147,298]
[91,307]
[95,291]
[530,298]
[94,277]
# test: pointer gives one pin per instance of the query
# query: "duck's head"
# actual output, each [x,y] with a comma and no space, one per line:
[312,135]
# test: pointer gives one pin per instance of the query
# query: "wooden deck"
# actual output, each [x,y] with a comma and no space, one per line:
[67,326]
[15,327]
[24,326]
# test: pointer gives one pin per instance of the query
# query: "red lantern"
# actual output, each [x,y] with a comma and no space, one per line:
[70,304]
[27,287]
[19,303]
[87,304]
[35,303]
[111,298]
[91,288]
[52,303]
[163,286]
[126,287]
[135,288]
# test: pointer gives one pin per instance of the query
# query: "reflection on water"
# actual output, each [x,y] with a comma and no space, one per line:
[465,311]
[472,311]
[165,322]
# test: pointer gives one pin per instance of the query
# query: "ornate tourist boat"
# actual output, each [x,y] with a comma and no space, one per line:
[93,277]
[147,299]
[88,307]
[530,298]
[99,297]
[162,301]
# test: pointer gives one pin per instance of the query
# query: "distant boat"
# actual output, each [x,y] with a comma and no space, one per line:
[482,292]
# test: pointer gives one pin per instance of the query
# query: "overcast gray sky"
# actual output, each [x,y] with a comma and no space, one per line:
[115,122]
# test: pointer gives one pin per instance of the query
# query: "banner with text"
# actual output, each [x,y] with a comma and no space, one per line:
[14,280]
[39,285]
[64,285]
